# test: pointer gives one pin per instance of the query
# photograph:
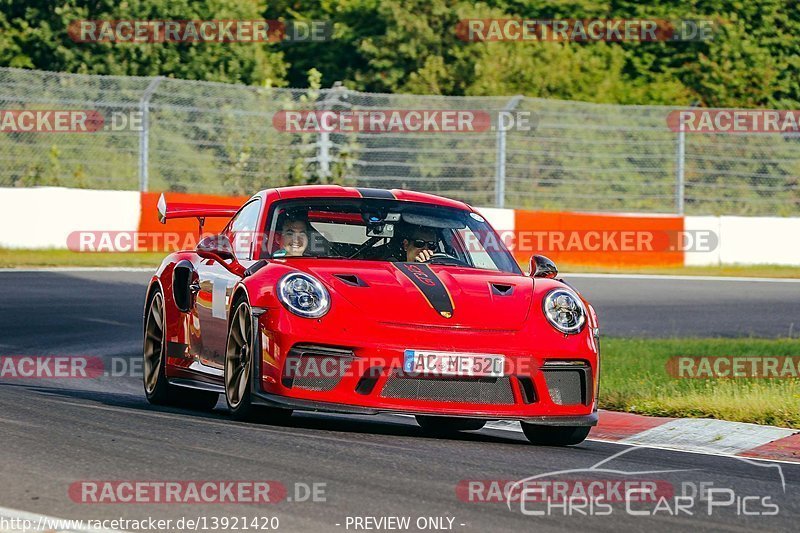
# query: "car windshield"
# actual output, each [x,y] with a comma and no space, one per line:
[384,230]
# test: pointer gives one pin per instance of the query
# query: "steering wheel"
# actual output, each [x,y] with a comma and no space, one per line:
[440,258]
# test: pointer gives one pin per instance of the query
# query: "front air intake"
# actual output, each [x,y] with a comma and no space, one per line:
[568,384]
[317,368]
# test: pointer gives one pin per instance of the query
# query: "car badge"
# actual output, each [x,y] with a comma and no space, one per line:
[446,314]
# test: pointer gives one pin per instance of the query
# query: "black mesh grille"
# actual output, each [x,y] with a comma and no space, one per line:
[316,368]
[496,391]
[566,387]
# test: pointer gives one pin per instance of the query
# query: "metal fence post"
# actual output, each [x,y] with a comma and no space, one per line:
[324,154]
[144,133]
[680,167]
[680,184]
[336,96]
[500,159]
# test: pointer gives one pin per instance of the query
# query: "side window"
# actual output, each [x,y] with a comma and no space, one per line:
[242,228]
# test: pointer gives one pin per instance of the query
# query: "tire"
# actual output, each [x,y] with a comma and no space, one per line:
[238,371]
[156,386]
[444,424]
[238,363]
[555,435]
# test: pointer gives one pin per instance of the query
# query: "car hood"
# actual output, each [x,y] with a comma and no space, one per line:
[439,295]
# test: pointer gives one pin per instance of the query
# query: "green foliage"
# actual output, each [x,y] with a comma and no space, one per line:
[34,34]
[205,136]
[411,46]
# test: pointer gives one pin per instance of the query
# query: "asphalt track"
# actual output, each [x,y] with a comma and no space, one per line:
[55,433]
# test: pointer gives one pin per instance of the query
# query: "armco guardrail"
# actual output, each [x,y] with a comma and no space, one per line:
[164,134]
[127,220]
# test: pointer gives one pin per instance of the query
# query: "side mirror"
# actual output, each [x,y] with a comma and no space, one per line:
[219,248]
[215,247]
[542,267]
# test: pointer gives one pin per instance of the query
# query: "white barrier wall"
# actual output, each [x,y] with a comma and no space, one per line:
[43,217]
[747,240]
[699,226]
[500,219]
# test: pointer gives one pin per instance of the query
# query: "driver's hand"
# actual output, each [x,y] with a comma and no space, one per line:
[423,255]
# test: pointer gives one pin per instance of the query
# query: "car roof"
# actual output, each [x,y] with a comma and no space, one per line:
[337,191]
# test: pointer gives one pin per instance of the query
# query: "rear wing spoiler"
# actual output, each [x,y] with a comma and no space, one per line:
[199,211]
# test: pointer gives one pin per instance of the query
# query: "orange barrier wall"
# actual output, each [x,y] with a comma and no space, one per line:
[569,238]
[598,239]
[185,230]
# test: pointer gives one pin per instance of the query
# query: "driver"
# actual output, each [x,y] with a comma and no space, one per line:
[419,244]
[294,236]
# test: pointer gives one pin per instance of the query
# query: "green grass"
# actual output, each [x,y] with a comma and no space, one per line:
[634,379]
[58,258]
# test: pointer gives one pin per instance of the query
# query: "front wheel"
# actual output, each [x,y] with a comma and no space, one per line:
[240,357]
[443,424]
[238,354]
[555,435]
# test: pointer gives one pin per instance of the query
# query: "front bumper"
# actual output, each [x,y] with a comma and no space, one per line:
[284,402]
[529,392]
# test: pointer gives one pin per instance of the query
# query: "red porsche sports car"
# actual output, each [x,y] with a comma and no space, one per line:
[356,300]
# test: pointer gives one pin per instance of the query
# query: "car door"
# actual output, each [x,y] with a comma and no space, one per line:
[217,284]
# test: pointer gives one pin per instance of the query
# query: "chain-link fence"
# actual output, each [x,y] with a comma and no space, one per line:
[219,138]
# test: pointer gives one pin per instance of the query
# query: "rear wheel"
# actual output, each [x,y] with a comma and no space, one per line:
[156,386]
[444,424]
[555,435]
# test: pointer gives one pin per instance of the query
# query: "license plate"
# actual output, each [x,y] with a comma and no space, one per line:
[453,364]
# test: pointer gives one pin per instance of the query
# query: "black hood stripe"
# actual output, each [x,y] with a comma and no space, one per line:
[430,286]
[366,192]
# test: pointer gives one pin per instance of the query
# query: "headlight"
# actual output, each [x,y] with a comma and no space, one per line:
[303,295]
[564,310]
